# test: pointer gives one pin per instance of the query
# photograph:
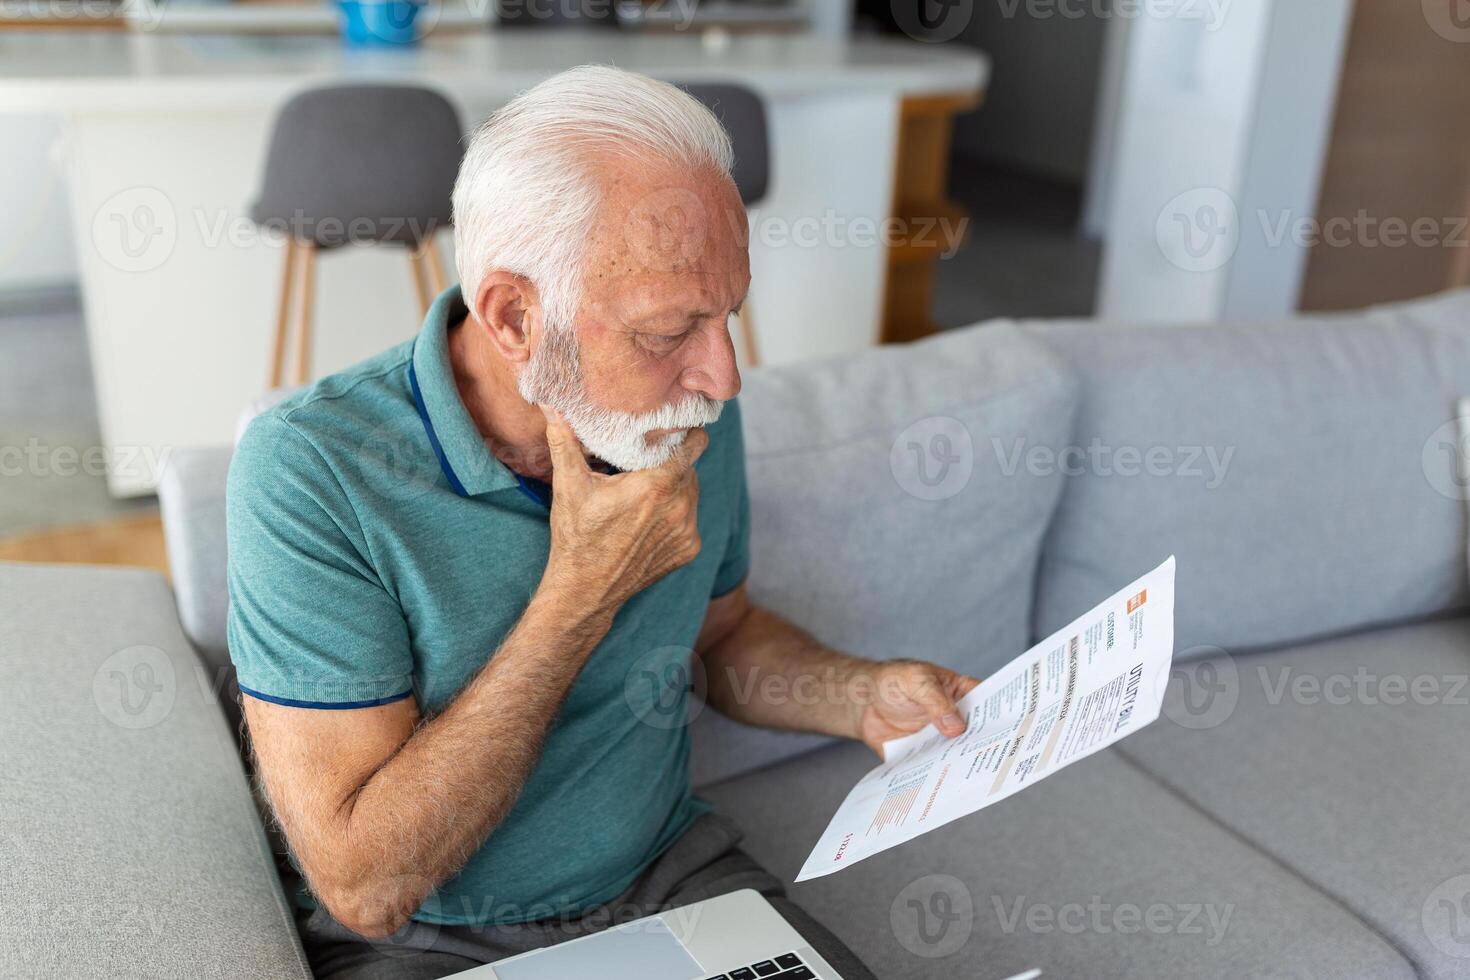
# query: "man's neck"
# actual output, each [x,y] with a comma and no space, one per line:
[513,429]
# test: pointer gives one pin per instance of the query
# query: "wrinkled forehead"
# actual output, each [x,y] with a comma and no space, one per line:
[665,225]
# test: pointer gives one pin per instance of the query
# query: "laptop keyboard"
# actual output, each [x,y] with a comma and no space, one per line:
[784,967]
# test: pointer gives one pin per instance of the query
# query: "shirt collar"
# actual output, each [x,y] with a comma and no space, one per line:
[466,461]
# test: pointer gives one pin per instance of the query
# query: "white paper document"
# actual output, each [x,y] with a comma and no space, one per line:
[1098,680]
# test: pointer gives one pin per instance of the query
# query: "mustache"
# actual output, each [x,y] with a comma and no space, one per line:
[688,413]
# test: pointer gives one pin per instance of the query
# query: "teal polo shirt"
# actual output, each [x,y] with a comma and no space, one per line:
[378,551]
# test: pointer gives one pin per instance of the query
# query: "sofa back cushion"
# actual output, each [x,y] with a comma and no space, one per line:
[883,522]
[1297,470]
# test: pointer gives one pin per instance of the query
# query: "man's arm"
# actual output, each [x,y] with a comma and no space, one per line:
[380,809]
[764,671]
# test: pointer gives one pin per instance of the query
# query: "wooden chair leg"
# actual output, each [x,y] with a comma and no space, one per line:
[747,335]
[283,318]
[420,288]
[436,265]
[304,313]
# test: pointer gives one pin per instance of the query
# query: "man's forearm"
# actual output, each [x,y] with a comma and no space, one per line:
[765,671]
[420,816]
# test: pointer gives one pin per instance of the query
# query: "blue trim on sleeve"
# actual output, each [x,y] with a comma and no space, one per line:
[418,403]
[721,595]
[330,705]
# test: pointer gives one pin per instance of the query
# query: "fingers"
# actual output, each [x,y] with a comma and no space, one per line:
[964,685]
[933,696]
[679,468]
[566,449]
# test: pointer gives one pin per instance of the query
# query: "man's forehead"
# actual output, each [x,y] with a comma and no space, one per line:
[664,221]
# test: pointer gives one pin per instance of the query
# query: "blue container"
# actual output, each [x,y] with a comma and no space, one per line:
[377,22]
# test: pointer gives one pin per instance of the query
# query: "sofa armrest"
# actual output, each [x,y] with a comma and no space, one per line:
[133,845]
[191,496]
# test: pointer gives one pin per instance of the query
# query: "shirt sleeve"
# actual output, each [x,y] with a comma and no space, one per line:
[735,565]
[310,623]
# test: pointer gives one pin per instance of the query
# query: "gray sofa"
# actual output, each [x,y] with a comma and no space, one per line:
[1299,811]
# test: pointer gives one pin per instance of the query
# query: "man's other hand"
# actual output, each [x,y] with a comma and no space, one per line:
[900,697]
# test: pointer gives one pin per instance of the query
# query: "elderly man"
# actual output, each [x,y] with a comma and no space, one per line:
[453,566]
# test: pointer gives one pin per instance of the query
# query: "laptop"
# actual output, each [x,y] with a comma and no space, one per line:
[738,936]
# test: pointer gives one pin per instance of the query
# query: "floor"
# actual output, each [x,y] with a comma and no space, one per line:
[1022,259]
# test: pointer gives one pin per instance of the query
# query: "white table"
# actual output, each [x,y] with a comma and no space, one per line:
[165,136]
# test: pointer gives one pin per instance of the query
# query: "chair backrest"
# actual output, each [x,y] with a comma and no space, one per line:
[744,116]
[361,164]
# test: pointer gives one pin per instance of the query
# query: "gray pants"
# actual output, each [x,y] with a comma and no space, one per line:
[705,862]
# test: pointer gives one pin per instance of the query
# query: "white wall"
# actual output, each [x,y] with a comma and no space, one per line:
[1222,124]
[35,233]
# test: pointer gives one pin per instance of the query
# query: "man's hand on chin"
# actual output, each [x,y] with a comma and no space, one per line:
[900,697]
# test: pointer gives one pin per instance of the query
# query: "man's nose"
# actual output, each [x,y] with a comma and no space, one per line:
[713,372]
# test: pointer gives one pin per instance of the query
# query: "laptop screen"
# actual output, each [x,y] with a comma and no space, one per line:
[638,951]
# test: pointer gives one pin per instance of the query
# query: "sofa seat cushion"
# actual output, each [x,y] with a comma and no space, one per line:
[882,518]
[132,845]
[1097,872]
[1326,757]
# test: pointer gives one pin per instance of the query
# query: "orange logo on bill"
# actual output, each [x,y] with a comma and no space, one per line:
[1138,600]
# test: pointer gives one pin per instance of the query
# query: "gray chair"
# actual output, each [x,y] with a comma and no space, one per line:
[744,116]
[353,164]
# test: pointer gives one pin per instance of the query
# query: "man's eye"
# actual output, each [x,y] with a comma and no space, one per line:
[662,341]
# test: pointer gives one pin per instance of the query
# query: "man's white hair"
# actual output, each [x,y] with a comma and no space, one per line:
[528,188]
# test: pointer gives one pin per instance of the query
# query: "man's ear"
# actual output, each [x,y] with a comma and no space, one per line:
[508,308]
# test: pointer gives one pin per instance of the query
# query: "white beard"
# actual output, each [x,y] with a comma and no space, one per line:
[553,377]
